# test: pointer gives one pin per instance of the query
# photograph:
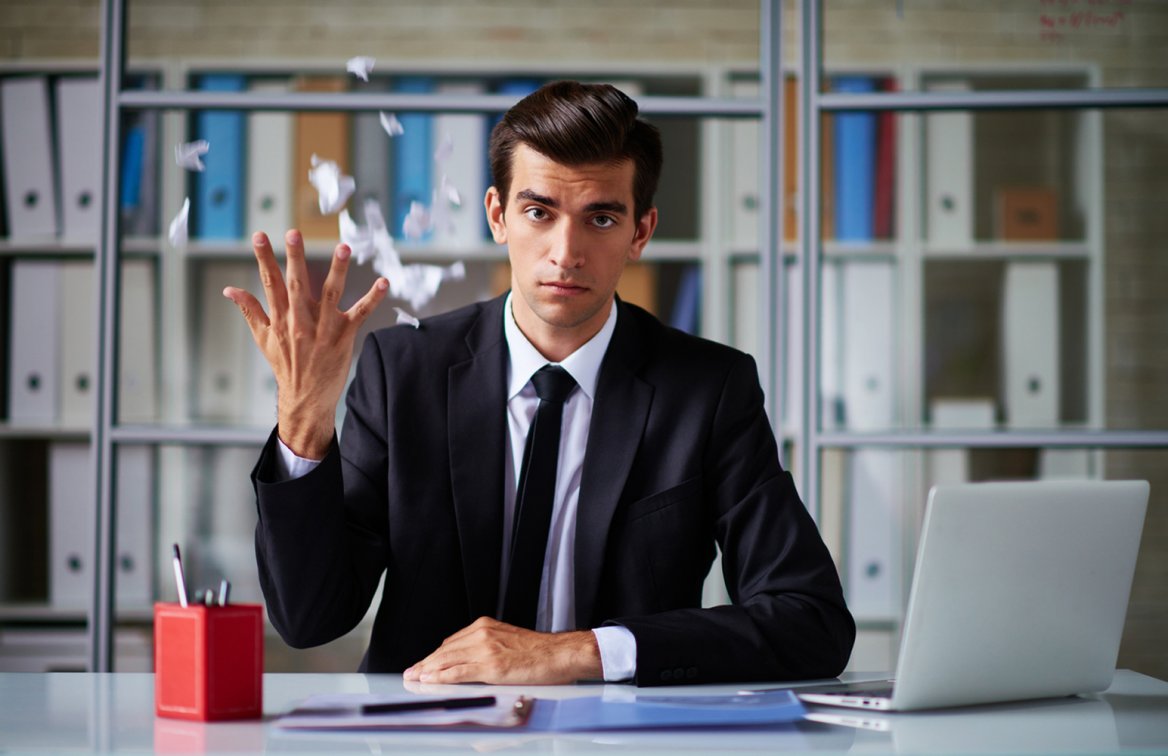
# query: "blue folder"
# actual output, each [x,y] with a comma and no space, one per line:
[686,315]
[666,712]
[413,157]
[217,211]
[855,165]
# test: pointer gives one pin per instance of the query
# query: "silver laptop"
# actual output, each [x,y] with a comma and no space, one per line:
[1020,591]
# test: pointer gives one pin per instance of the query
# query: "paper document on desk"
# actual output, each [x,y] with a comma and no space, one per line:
[343,713]
[357,711]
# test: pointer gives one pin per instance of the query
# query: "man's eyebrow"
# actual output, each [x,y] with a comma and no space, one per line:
[527,194]
[617,208]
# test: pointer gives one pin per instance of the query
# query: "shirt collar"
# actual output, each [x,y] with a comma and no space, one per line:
[583,364]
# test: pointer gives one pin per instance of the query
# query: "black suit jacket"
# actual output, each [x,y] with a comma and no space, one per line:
[679,454]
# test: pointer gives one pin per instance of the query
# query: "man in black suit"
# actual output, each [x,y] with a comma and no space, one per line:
[541,477]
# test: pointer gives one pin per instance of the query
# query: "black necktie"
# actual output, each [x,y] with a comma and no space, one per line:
[534,496]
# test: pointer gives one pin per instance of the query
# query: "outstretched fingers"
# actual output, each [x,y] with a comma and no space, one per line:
[270,276]
[252,310]
[364,307]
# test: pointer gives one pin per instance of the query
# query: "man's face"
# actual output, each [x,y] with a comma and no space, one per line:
[570,232]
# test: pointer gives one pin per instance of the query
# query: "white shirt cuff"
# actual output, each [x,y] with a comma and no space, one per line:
[618,652]
[289,466]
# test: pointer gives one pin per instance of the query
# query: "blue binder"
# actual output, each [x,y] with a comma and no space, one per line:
[855,165]
[413,157]
[686,315]
[217,211]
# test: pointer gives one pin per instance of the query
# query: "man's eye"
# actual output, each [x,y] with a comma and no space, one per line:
[535,213]
[604,221]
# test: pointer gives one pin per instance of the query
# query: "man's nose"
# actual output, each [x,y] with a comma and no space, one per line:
[568,246]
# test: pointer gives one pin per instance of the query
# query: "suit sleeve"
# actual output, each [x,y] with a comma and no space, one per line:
[321,539]
[788,620]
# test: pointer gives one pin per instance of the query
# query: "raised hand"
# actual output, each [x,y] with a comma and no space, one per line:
[308,342]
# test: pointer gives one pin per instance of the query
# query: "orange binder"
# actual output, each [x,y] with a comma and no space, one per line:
[327,136]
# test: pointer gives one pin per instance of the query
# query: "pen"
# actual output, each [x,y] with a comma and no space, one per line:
[224,589]
[179,581]
[395,707]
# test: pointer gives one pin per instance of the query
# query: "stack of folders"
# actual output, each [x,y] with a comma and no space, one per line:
[51,152]
[256,171]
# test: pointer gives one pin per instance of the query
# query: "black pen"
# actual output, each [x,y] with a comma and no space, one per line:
[394,707]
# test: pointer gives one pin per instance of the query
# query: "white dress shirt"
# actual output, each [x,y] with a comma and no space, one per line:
[557,596]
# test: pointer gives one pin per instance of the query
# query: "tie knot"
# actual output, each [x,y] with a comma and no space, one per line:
[553,383]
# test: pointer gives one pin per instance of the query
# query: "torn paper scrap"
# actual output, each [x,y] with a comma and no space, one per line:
[333,187]
[359,239]
[391,125]
[417,221]
[360,66]
[445,197]
[188,154]
[405,317]
[178,226]
[417,284]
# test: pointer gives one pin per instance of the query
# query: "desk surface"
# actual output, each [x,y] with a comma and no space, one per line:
[79,713]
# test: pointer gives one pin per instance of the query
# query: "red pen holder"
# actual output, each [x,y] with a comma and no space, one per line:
[209,661]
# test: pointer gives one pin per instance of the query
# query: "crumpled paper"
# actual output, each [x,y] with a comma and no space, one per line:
[360,66]
[178,226]
[333,187]
[188,154]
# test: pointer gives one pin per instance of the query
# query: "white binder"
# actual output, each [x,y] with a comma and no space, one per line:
[25,135]
[743,164]
[1030,343]
[71,500]
[949,175]
[223,337]
[78,344]
[261,381]
[134,561]
[831,343]
[465,170]
[269,167]
[138,345]
[746,306]
[79,153]
[872,560]
[71,503]
[34,359]
[873,494]
[867,369]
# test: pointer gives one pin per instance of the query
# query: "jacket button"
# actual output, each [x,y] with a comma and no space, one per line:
[666,674]
[691,673]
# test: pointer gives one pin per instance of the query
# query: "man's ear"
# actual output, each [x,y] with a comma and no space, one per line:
[646,225]
[493,203]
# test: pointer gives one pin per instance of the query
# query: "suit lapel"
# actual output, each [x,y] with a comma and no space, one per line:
[477,431]
[618,421]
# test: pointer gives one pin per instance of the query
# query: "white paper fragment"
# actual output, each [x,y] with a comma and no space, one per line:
[405,317]
[445,149]
[187,154]
[178,226]
[359,239]
[360,66]
[391,125]
[417,221]
[333,187]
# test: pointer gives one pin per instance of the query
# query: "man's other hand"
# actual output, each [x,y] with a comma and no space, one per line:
[491,651]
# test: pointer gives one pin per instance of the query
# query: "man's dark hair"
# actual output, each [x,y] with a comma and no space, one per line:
[579,124]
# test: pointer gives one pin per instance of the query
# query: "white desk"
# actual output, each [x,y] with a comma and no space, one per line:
[80,713]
